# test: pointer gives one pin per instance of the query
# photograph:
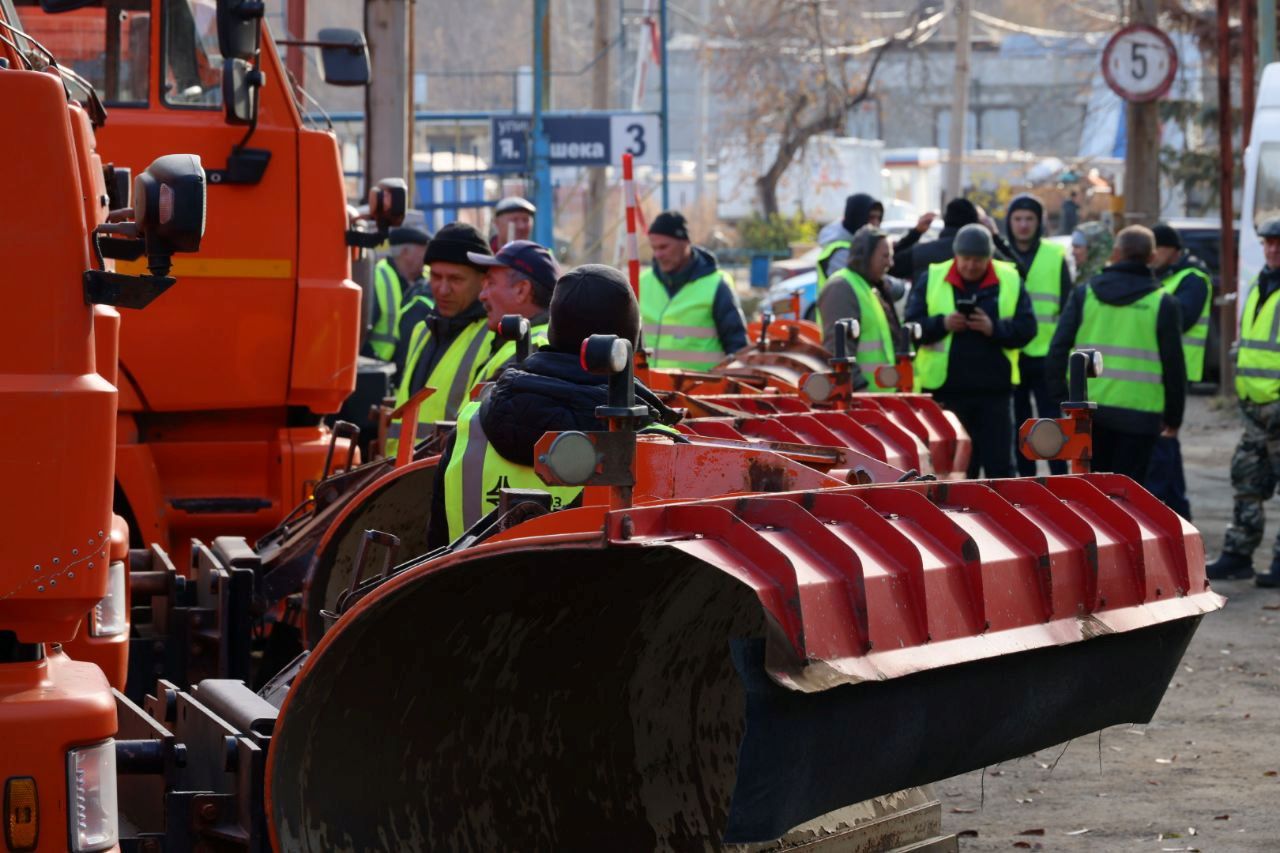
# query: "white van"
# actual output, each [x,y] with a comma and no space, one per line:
[1261,199]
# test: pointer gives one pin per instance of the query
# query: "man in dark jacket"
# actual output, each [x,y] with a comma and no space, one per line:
[859,209]
[549,392]
[687,303]
[974,315]
[1185,277]
[1047,279]
[958,213]
[862,292]
[1124,314]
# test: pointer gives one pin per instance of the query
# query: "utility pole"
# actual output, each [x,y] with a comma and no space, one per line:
[1142,148]
[1248,53]
[1226,184]
[387,123]
[1266,32]
[666,109]
[598,187]
[959,102]
[296,18]
[543,197]
[704,107]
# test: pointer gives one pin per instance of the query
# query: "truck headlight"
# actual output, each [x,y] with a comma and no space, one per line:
[110,614]
[91,796]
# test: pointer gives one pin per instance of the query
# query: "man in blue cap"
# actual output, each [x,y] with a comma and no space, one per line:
[518,280]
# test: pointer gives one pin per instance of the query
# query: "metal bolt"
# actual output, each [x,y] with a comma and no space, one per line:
[91,542]
[56,561]
[53,582]
[40,588]
[71,575]
[37,568]
[91,564]
[100,533]
[75,553]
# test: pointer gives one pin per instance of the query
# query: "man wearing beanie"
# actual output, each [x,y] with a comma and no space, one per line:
[1124,314]
[974,315]
[492,448]
[393,277]
[449,346]
[1047,278]
[689,307]
[859,209]
[958,213]
[1185,278]
[518,280]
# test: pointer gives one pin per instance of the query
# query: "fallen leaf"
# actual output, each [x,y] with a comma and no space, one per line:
[1079,831]
[963,811]
[1152,782]
[967,833]
[1032,832]
[1025,845]
[1222,817]
[1271,607]
[1270,773]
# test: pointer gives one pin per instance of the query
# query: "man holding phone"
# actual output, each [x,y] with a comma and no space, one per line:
[974,315]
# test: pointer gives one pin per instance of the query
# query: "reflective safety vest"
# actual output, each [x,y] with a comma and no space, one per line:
[932,360]
[825,254]
[680,331]
[1258,360]
[500,359]
[1044,288]
[1193,342]
[386,294]
[477,474]
[875,340]
[452,377]
[1132,377]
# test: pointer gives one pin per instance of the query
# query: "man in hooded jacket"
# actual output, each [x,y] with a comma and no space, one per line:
[1124,314]
[1044,270]
[492,448]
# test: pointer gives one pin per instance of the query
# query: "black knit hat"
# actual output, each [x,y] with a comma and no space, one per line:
[453,241]
[670,223]
[405,235]
[959,212]
[1167,236]
[592,299]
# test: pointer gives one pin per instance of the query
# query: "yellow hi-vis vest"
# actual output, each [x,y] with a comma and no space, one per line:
[1044,288]
[680,331]
[1193,342]
[933,359]
[452,377]
[826,252]
[1132,377]
[477,474]
[500,359]
[875,340]
[1258,360]
[386,294]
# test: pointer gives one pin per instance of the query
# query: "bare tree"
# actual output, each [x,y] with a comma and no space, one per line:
[798,67]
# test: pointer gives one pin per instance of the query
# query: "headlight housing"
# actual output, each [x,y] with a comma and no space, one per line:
[91,797]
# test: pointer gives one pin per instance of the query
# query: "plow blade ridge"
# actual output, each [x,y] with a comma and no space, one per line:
[806,754]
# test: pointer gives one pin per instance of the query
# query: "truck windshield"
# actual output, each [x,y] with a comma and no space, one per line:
[108,44]
[1266,196]
[193,63]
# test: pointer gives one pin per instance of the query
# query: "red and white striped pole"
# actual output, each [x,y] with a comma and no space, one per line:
[633,245]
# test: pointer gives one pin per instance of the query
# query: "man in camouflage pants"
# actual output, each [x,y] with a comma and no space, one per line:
[1255,467]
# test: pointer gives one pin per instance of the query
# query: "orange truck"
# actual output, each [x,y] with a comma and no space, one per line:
[223,385]
[61,567]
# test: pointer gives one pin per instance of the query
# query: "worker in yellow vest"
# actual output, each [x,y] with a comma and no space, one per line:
[393,277]
[862,291]
[1257,457]
[518,280]
[1124,313]
[1047,279]
[974,316]
[1185,278]
[551,391]
[691,314]
[448,348]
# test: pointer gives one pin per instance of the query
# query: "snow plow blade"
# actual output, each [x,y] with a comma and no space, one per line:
[716,672]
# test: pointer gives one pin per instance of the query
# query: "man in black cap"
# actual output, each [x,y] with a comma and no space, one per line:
[974,316]
[551,391]
[393,277]
[449,346]
[690,309]
[958,213]
[1185,278]
[512,220]
[518,280]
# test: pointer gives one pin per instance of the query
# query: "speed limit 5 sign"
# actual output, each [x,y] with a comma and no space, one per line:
[1139,63]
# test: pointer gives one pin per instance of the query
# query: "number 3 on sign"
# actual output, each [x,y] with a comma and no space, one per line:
[635,134]
[1139,63]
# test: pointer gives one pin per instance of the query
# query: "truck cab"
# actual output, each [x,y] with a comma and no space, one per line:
[223,384]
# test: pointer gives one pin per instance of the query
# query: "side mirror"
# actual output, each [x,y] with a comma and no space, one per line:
[240,84]
[344,57]
[240,28]
[388,201]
